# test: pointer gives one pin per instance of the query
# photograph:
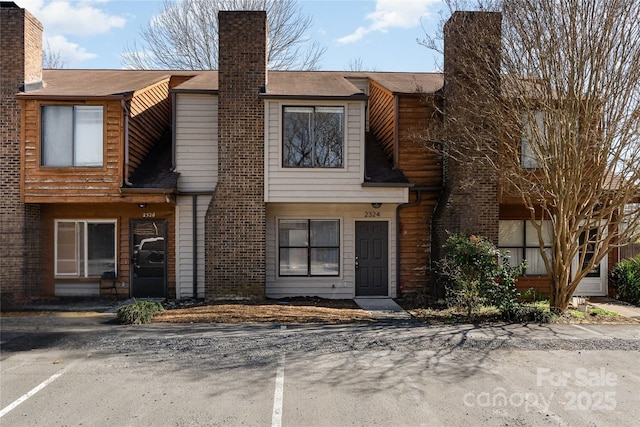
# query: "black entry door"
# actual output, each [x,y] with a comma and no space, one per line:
[148,258]
[372,264]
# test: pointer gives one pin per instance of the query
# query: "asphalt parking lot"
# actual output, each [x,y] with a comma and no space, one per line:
[84,370]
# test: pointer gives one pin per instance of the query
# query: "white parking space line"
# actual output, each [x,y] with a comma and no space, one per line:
[587,329]
[27,395]
[276,419]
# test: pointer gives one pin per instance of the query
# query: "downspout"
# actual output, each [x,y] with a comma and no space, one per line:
[194,233]
[125,109]
[174,100]
[396,131]
[195,245]
[419,191]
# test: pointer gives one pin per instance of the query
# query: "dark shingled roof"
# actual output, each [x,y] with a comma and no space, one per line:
[378,169]
[98,83]
[118,83]
[155,170]
[326,83]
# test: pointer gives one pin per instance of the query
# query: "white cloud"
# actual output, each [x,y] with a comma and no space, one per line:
[71,53]
[80,18]
[391,14]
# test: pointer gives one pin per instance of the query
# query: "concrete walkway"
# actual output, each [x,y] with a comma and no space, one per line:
[610,304]
[382,308]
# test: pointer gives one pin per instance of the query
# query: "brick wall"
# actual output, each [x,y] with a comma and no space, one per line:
[235,224]
[469,202]
[20,69]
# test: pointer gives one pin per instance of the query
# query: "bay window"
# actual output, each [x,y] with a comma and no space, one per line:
[72,135]
[520,239]
[309,247]
[313,137]
[84,248]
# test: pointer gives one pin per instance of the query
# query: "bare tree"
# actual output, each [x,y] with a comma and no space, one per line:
[567,112]
[357,65]
[185,36]
[52,59]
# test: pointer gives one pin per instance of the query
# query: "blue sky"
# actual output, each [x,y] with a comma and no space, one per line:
[382,33]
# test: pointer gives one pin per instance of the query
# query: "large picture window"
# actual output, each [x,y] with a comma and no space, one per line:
[520,238]
[309,247]
[313,137]
[72,136]
[85,248]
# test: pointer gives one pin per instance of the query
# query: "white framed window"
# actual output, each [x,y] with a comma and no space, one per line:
[72,135]
[309,247]
[313,137]
[84,248]
[520,239]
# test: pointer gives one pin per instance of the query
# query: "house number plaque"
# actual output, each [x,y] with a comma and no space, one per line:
[148,214]
[371,214]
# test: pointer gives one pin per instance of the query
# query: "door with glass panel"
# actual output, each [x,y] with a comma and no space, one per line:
[148,258]
[594,283]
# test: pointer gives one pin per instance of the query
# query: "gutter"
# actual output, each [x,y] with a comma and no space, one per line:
[354,97]
[419,191]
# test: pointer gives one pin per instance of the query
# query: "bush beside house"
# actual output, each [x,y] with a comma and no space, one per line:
[625,278]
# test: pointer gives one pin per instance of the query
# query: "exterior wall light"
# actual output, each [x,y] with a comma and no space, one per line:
[376,205]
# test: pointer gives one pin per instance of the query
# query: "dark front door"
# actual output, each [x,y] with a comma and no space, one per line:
[148,258]
[372,263]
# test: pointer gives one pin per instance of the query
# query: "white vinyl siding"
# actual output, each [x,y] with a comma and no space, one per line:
[197,141]
[336,287]
[197,162]
[184,245]
[336,185]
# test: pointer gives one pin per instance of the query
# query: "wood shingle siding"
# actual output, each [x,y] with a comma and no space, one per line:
[122,213]
[423,168]
[72,184]
[382,118]
[150,118]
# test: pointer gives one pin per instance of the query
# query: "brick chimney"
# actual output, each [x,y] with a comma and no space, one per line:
[235,227]
[469,202]
[20,70]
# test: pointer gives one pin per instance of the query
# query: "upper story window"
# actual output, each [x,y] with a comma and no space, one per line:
[533,124]
[313,137]
[72,135]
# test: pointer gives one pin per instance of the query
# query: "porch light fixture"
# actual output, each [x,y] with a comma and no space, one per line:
[142,205]
[376,205]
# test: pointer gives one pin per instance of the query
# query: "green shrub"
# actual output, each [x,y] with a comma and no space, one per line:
[473,275]
[537,312]
[625,278]
[138,312]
